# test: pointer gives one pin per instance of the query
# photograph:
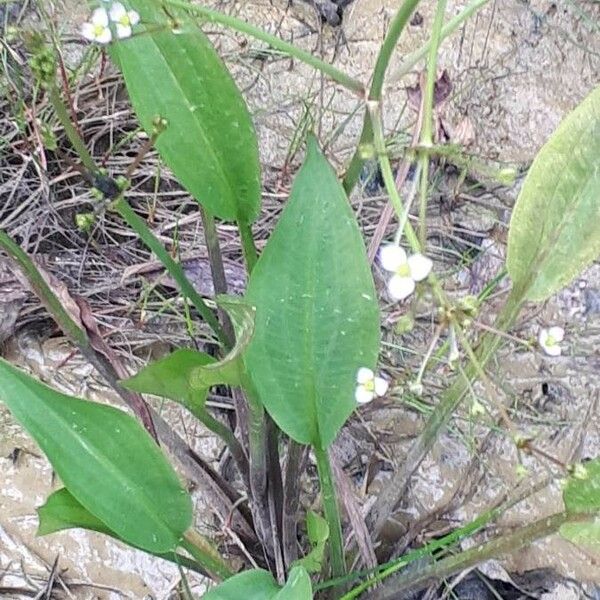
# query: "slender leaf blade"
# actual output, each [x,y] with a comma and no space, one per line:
[106,460]
[209,142]
[555,225]
[317,319]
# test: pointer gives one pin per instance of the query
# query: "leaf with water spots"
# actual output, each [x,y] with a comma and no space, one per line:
[106,460]
[209,141]
[317,318]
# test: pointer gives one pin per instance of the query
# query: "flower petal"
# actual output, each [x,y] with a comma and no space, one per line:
[117,11]
[123,31]
[381,386]
[392,257]
[134,17]
[104,37]
[553,350]
[362,395]
[558,333]
[420,266]
[100,17]
[400,288]
[364,374]
[543,337]
[88,32]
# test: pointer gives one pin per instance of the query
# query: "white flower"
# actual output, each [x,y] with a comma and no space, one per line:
[369,386]
[123,19]
[549,340]
[406,270]
[97,30]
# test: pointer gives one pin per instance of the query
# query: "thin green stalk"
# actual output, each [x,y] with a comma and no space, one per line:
[213,16]
[332,512]
[453,24]
[386,51]
[474,556]
[390,185]
[63,116]
[232,443]
[392,494]
[427,125]
[205,554]
[217,270]
[174,268]
[388,46]
[248,246]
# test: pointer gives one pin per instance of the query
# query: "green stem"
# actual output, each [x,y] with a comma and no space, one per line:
[213,16]
[248,246]
[390,186]
[332,513]
[386,51]
[216,268]
[427,125]
[63,116]
[394,491]
[205,554]
[174,268]
[232,443]
[453,24]
[474,556]
[43,291]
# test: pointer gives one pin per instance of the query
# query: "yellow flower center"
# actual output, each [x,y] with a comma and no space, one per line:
[98,30]
[403,270]
[124,20]
[369,385]
[551,341]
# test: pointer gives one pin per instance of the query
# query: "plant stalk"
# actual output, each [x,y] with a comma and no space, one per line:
[63,116]
[205,554]
[174,268]
[474,556]
[332,512]
[427,123]
[453,24]
[213,16]
[248,246]
[386,51]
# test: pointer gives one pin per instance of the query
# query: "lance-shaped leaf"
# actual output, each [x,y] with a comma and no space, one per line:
[581,494]
[209,141]
[260,585]
[317,319]
[185,375]
[555,226]
[107,461]
[62,511]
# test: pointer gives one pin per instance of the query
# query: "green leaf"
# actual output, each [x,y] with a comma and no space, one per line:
[169,377]
[555,226]
[260,585]
[581,494]
[297,587]
[185,375]
[317,319]
[209,142]
[61,511]
[249,585]
[586,535]
[106,460]
[318,534]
